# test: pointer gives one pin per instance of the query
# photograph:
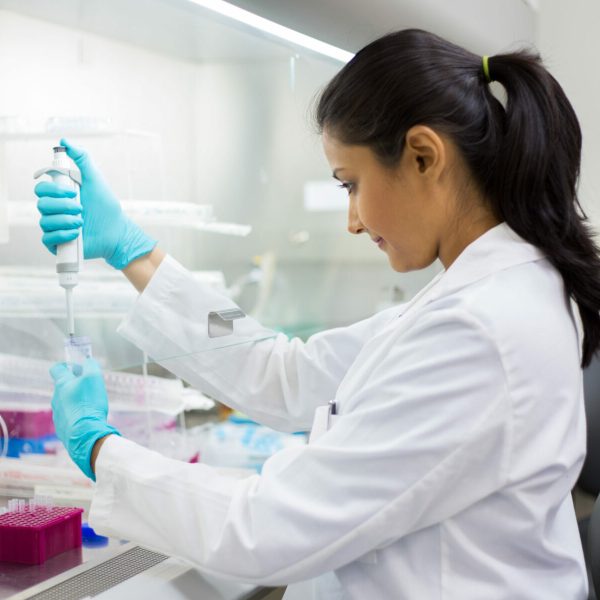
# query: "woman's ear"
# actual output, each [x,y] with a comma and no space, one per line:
[425,151]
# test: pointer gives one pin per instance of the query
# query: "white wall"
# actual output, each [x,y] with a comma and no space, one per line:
[570,45]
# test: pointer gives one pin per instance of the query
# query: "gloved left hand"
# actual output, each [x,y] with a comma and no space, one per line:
[80,410]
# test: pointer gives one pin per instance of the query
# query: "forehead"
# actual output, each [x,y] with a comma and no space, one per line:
[346,156]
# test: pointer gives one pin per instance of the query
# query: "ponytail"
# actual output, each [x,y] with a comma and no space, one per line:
[534,187]
[524,158]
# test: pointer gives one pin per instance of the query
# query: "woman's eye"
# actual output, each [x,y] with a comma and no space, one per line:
[347,186]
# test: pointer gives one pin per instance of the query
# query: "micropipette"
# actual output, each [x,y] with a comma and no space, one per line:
[69,255]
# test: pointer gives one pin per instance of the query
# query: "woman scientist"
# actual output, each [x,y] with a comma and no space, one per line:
[459,427]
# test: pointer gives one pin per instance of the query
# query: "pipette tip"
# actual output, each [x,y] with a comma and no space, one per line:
[70,314]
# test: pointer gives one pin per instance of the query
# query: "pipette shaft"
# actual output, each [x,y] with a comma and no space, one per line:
[70,311]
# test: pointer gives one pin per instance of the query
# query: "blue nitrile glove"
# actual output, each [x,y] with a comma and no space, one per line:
[79,410]
[107,232]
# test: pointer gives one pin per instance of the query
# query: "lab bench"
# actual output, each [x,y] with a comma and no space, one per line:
[118,571]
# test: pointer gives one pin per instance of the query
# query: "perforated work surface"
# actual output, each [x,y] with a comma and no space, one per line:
[102,577]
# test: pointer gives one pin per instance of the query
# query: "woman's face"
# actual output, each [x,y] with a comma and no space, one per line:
[386,204]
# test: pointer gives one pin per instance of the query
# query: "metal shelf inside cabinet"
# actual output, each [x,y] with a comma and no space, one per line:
[182,215]
[53,135]
[33,293]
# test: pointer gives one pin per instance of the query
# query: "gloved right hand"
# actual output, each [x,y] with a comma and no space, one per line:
[107,232]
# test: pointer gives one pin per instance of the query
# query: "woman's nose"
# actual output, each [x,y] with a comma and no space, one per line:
[354,223]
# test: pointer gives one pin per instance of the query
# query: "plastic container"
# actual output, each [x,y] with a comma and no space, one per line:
[34,533]
[47,444]
[27,381]
[29,431]
[28,423]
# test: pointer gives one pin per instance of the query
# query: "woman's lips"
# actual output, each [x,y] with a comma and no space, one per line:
[379,241]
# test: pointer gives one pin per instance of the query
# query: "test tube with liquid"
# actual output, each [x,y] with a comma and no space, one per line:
[77,349]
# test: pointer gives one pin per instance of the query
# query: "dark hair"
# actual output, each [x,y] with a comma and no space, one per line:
[524,159]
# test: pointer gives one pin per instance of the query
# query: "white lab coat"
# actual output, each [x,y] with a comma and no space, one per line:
[446,475]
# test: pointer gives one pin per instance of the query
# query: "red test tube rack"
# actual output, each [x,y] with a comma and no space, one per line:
[33,532]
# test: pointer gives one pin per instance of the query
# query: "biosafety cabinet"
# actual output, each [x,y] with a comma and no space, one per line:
[203,126]
[202,122]
[189,110]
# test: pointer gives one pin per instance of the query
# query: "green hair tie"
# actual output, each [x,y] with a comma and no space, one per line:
[486,69]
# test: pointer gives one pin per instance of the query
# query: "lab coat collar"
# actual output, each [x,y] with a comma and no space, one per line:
[498,249]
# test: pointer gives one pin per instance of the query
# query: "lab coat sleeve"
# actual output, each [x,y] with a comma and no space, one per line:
[426,436]
[276,381]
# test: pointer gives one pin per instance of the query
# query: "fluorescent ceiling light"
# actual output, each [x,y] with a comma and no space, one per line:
[284,33]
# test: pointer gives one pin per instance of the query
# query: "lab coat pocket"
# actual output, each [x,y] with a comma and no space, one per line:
[370,558]
[322,422]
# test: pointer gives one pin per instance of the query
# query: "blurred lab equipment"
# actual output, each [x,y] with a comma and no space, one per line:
[244,444]
[28,431]
[589,478]
[593,550]
[146,408]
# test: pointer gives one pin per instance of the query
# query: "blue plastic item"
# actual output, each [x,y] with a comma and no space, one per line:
[90,538]
[38,445]
[238,417]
